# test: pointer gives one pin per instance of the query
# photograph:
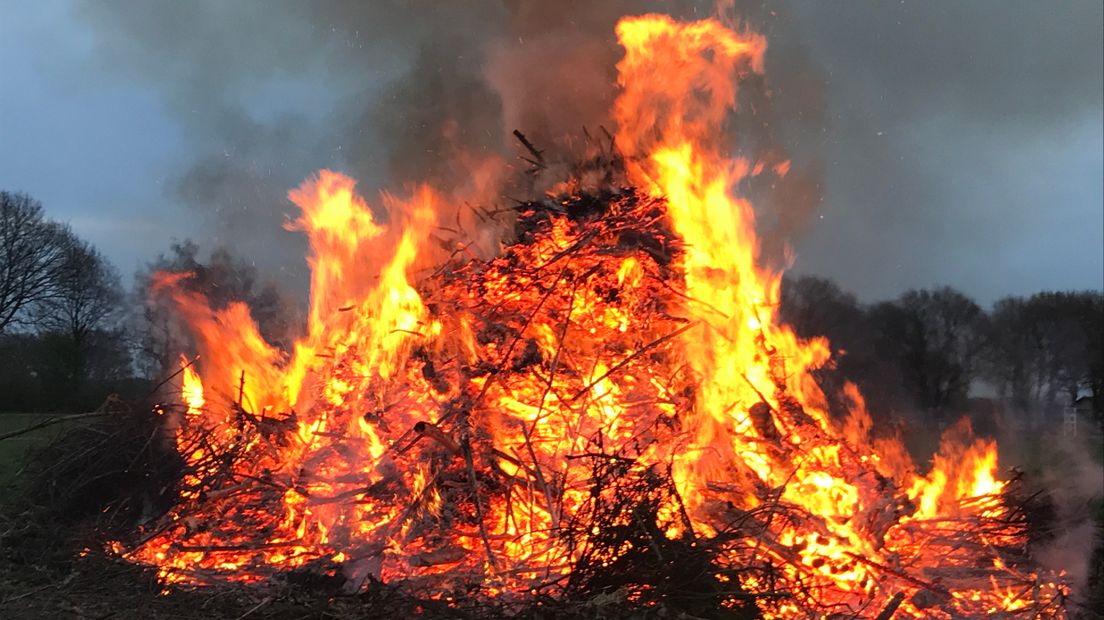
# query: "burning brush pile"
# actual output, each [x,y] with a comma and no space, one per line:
[607,407]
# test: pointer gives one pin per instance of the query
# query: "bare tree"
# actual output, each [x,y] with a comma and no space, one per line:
[78,321]
[223,279]
[937,338]
[1016,352]
[87,295]
[816,306]
[32,250]
[1047,349]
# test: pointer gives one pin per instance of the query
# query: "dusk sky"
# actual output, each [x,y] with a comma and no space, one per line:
[956,143]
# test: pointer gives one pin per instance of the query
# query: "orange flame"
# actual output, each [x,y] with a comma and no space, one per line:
[391,414]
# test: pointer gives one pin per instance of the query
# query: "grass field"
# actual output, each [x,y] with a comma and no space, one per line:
[12,450]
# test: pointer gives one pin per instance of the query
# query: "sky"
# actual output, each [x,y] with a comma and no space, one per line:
[935,143]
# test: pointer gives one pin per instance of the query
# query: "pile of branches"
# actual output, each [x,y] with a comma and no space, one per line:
[112,465]
[651,570]
[652,574]
[648,565]
[625,552]
[113,469]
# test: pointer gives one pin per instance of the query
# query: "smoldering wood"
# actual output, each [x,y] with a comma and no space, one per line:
[538,156]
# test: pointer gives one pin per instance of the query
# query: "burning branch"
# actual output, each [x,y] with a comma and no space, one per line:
[538,156]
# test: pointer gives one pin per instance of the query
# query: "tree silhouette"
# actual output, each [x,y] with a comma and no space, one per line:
[80,316]
[937,338]
[1046,349]
[32,252]
[223,279]
[87,294]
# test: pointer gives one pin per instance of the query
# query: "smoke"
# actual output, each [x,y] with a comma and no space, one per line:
[397,93]
[781,122]
[1073,480]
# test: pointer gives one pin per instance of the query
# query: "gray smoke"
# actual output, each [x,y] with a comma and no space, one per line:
[1074,479]
[396,93]
[934,142]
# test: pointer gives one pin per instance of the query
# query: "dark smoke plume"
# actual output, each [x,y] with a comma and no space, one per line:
[396,93]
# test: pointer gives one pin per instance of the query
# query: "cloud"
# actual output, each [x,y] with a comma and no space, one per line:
[945,122]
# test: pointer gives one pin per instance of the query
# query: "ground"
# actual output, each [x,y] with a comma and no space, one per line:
[13,449]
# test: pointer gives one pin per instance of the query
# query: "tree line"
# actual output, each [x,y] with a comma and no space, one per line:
[71,333]
[931,349]
[61,303]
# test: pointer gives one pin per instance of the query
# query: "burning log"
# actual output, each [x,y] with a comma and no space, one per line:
[891,606]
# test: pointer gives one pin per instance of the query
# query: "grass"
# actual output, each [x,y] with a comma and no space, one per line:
[13,450]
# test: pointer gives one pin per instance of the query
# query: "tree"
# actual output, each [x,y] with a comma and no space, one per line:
[64,298]
[87,294]
[81,315]
[936,337]
[1016,353]
[223,279]
[1047,348]
[1093,322]
[32,250]
[815,306]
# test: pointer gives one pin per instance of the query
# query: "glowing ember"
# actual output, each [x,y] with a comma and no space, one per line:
[452,431]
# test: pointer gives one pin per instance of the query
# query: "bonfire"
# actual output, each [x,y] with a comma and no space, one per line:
[608,406]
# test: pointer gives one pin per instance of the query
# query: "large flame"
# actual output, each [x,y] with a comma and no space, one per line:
[439,427]
[679,86]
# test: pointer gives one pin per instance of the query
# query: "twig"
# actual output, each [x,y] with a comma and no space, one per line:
[236,548]
[431,430]
[600,455]
[686,522]
[537,154]
[241,388]
[909,578]
[28,593]
[609,136]
[651,538]
[470,463]
[575,247]
[266,601]
[53,421]
[172,376]
[540,477]
[619,365]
